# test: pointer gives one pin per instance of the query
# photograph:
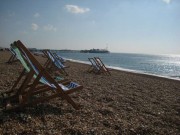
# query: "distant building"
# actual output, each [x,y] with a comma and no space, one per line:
[95,51]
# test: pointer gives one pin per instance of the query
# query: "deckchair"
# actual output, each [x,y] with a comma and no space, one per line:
[26,67]
[93,67]
[59,57]
[49,63]
[12,57]
[53,60]
[14,92]
[101,65]
[48,84]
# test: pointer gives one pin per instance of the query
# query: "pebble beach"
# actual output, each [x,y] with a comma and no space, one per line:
[123,103]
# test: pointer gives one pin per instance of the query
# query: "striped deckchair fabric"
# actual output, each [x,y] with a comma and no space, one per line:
[13,57]
[45,81]
[19,57]
[54,60]
[58,57]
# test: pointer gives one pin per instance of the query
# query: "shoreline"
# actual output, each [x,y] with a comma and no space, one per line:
[123,103]
[124,69]
[129,70]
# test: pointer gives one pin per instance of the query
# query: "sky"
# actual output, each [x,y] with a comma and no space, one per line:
[127,26]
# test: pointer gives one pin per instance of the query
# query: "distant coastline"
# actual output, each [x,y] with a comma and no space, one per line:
[95,51]
[68,50]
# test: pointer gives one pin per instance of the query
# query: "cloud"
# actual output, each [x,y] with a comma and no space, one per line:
[34,26]
[76,9]
[167,1]
[50,28]
[36,15]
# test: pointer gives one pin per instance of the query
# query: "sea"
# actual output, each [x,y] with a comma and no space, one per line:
[167,66]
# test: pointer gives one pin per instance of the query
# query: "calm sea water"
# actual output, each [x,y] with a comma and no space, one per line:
[160,65]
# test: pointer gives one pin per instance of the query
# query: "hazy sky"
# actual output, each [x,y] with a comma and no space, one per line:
[132,26]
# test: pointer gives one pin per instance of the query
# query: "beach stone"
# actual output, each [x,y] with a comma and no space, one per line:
[91,132]
[24,117]
[72,132]
[105,112]
[106,124]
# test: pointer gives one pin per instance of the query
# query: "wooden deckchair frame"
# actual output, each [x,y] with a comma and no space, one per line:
[94,67]
[24,95]
[12,57]
[48,63]
[101,65]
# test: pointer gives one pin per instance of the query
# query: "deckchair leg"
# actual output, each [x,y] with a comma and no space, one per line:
[46,63]
[19,78]
[26,81]
[19,91]
[36,81]
[10,59]
[44,99]
[69,100]
[13,58]
[63,72]
[15,84]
